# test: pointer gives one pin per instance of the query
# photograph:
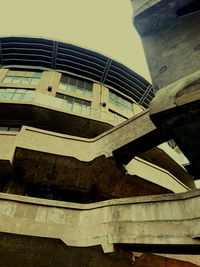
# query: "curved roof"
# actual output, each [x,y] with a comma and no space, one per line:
[64,57]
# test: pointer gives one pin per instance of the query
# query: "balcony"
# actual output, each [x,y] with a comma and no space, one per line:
[25,106]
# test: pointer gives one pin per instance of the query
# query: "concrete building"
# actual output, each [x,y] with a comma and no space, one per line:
[74,131]
[169,30]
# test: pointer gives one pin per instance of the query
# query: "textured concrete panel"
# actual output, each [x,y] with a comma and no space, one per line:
[160,223]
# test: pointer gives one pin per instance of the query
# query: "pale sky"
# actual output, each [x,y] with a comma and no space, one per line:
[104,26]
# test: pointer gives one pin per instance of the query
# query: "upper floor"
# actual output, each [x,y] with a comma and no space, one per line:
[59,83]
[57,98]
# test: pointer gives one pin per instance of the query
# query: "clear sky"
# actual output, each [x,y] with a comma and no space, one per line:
[101,25]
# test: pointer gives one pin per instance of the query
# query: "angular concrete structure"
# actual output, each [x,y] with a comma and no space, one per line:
[170,34]
[83,182]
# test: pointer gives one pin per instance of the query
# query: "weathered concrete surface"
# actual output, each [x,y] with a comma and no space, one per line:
[171,41]
[179,93]
[176,109]
[149,260]
[23,251]
[48,118]
[166,223]
[55,159]
[101,176]
[116,140]
[195,259]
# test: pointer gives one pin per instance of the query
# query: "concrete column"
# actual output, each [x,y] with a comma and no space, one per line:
[96,96]
[105,97]
[49,78]
[137,109]
[3,73]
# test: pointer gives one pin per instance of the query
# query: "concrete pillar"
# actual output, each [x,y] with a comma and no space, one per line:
[3,73]
[49,78]
[96,95]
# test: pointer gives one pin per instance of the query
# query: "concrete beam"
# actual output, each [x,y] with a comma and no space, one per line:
[159,224]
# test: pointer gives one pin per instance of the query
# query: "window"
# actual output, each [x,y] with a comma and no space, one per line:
[23,79]
[121,103]
[75,104]
[11,129]
[74,85]
[16,94]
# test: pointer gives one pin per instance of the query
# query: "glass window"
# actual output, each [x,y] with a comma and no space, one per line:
[72,88]
[62,86]
[17,97]
[69,105]
[17,80]
[26,80]
[8,79]
[28,96]
[65,79]
[16,94]
[18,77]
[80,84]
[8,96]
[14,129]
[60,95]
[72,81]
[75,104]
[74,85]
[34,81]
[37,74]
[3,128]
[88,86]
[121,102]
[69,102]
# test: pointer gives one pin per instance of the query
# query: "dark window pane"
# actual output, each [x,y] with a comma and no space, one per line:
[80,84]
[64,78]
[88,86]
[79,101]
[14,129]
[60,95]
[72,81]
[86,103]
[69,98]
[3,128]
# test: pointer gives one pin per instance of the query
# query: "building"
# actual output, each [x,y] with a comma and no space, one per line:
[64,118]
[169,31]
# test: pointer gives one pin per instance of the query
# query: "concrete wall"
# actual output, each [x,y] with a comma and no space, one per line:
[91,162]
[168,220]
[167,39]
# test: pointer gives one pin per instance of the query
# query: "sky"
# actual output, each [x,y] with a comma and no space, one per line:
[104,26]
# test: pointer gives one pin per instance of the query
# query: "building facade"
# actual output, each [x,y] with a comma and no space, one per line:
[64,112]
